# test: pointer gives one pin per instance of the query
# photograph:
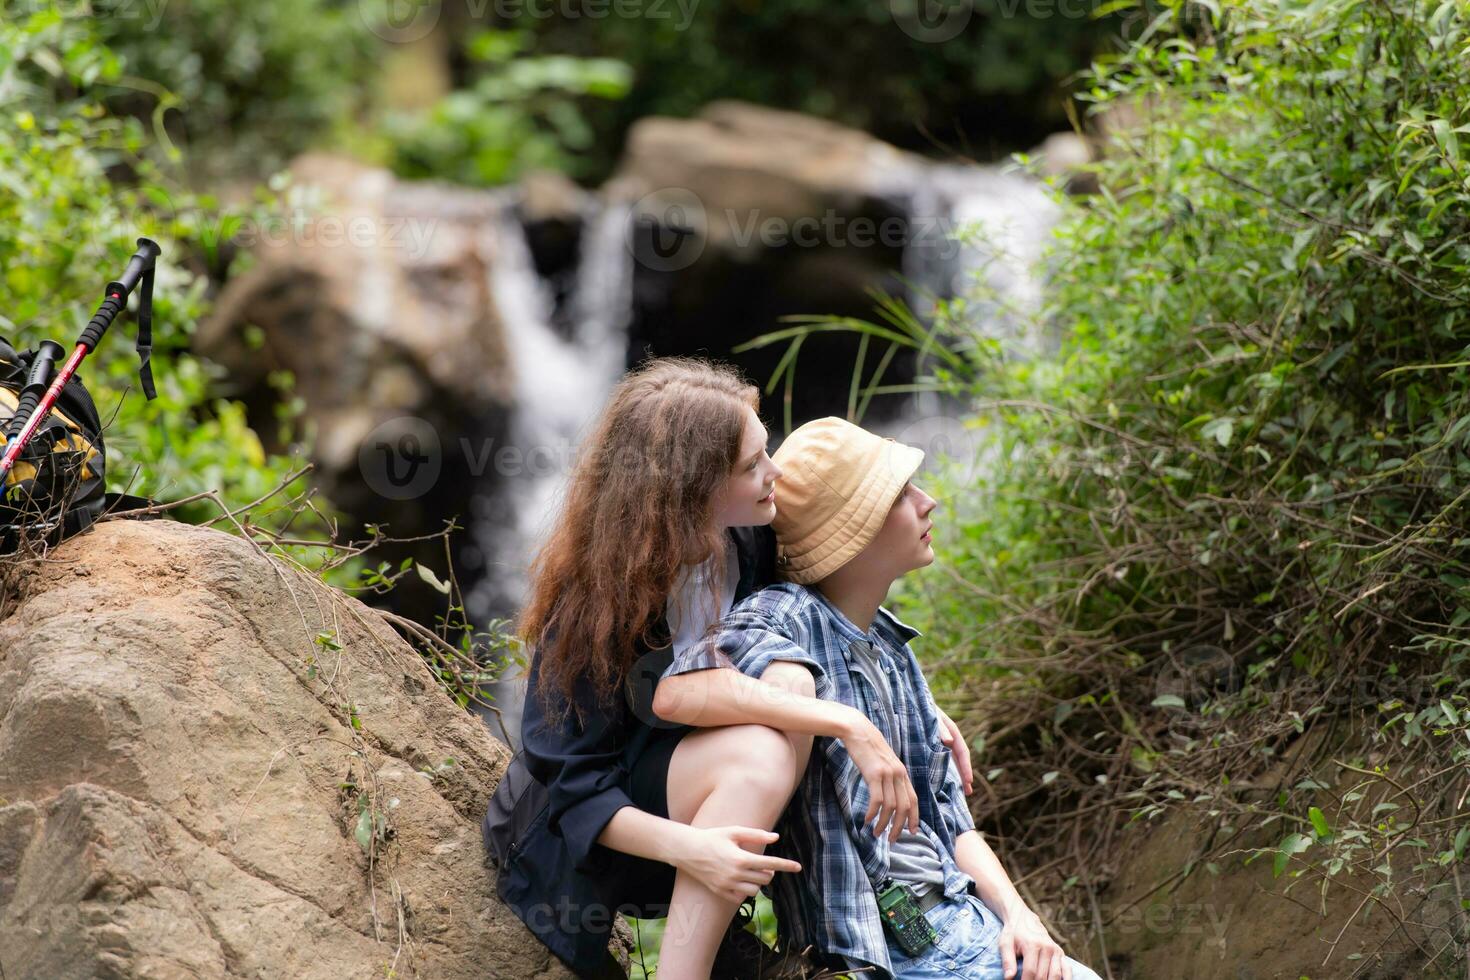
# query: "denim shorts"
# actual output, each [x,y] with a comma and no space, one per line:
[967,946]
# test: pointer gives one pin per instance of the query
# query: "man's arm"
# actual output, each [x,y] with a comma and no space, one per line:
[994,886]
[1023,935]
[746,642]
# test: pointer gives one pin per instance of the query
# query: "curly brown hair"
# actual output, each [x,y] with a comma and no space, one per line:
[639,505]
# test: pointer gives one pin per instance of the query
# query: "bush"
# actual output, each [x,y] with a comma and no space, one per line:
[1228,507]
[66,228]
[522,113]
[239,85]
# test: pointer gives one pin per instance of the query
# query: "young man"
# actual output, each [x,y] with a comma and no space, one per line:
[849,522]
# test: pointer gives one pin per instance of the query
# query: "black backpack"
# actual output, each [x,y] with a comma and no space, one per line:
[58,485]
[518,801]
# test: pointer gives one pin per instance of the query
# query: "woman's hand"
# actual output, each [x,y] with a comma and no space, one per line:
[1041,958]
[720,857]
[949,734]
[890,791]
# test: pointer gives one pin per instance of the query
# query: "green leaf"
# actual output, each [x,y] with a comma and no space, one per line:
[1449,712]
[364,830]
[1220,429]
[1291,844]
[1319,822]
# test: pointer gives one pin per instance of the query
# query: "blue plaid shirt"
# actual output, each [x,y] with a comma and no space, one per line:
[831,904]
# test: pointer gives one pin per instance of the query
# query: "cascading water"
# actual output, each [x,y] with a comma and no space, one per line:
[560,386]
[976,232]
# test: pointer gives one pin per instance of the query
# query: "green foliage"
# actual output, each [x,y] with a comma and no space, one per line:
[1222,511]
[521,113]
[66,228]
[236,83]
[980,76]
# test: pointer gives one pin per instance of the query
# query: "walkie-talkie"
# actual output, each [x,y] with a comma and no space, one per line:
[903,918]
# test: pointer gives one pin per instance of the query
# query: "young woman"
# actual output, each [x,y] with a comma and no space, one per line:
[665,525]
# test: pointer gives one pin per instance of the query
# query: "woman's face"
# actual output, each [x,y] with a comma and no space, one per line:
[749,495]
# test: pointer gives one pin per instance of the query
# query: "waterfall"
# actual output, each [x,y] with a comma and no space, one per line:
[602,303]
[560,385]
[977,232]
[1012,215]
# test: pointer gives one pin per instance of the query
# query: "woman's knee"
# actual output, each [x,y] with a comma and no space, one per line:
[762,755]
[758,763]
[757,758]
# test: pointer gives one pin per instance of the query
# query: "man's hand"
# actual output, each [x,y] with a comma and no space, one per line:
[950,735]
[1041,958]
[890,791]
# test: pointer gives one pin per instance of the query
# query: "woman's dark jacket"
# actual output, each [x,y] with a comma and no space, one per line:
[565,784]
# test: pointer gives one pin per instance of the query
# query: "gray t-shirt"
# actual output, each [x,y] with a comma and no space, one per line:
[912,858]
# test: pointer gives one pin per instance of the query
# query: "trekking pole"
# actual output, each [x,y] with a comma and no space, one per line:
[37,381]
[139,270]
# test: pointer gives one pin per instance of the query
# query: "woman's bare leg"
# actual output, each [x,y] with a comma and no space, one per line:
[731,774]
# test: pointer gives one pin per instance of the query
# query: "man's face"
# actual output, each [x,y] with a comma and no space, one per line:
[903,543]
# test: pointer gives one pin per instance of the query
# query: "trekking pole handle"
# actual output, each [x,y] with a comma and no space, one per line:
[140,267]
[37,381]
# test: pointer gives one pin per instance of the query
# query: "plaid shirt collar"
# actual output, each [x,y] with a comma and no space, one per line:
[885,625]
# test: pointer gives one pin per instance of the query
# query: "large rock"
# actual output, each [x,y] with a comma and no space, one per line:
[376,292]
[745,162]
[376,295]
[183,766]
[744,215]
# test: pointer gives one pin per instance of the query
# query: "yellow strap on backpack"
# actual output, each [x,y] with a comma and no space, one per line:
[74,441]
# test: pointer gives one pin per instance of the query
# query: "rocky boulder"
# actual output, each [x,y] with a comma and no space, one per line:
[213,766]
[376,296]
[744,215]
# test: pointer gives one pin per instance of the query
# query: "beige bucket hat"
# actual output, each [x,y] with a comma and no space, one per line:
[838,482]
